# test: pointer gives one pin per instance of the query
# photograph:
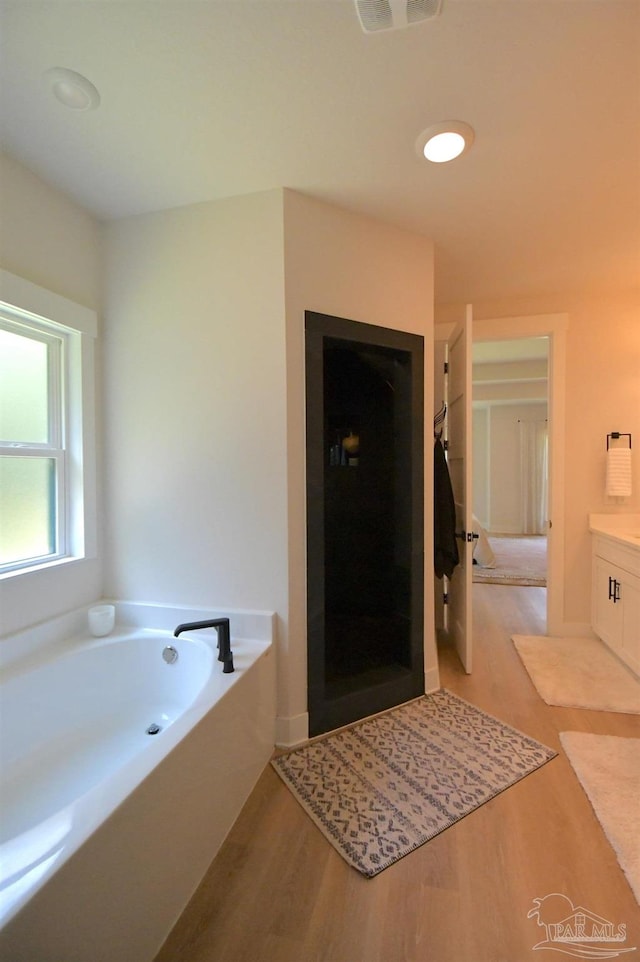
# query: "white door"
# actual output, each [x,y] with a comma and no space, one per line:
[459,458]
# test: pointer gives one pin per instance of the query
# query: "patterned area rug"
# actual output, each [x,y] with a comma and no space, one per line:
[384,786]
[519,561]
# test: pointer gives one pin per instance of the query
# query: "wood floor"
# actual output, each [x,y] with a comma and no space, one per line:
[278,892]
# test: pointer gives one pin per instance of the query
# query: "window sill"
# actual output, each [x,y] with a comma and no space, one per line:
[44,566]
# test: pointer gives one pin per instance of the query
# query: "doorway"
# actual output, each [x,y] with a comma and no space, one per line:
[553,327]
[510,458]
[365,540]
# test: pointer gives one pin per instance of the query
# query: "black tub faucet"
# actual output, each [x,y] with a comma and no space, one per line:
[225,655]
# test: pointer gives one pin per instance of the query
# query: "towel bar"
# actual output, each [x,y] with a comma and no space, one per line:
[617,434]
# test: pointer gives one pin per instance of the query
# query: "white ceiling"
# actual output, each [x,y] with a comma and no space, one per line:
[202,100]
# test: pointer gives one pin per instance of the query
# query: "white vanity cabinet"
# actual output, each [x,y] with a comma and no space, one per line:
[615,597]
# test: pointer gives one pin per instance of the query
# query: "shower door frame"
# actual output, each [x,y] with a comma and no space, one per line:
[326,713]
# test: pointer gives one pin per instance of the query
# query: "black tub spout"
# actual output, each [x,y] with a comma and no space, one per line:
[225,655]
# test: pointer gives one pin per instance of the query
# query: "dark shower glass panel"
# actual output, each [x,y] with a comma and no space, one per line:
[367,559]
[364,500]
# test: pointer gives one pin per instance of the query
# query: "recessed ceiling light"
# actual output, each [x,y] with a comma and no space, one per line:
[446,141]
[72,89]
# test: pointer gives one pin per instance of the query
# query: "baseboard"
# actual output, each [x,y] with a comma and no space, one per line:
[431,680]
[292,731]
[575,629]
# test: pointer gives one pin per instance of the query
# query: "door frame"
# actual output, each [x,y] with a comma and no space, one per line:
[553,326]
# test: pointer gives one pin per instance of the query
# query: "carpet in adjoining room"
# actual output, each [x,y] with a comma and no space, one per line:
[382,787]
[519,560]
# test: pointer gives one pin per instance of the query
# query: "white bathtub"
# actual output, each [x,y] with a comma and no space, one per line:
[106,830]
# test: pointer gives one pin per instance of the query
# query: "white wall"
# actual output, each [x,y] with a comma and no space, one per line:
[340,263]
[195,392]
[481,462]
[533,391]
[47,239]
[502,454]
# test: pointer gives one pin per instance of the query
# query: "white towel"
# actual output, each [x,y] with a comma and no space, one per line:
[619,472]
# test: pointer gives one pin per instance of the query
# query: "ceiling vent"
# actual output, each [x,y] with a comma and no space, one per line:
[378,15]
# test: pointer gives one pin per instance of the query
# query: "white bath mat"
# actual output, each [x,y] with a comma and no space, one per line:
[578,673]
[608,768]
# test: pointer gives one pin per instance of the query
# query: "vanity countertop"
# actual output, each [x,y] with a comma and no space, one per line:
[624,528]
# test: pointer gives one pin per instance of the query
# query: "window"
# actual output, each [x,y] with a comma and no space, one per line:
[47,506]
[32,439]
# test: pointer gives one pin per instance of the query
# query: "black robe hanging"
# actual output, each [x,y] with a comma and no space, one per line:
[445,546]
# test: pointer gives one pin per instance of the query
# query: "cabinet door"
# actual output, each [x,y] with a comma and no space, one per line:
[607,613]
[631,621]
